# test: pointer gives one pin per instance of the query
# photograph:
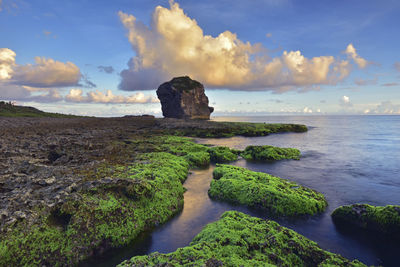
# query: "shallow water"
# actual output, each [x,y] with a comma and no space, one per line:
[350,159]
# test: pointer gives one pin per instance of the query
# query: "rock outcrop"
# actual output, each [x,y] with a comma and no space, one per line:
[184,98]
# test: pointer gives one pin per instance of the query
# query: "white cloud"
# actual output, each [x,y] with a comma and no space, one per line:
[385,107]
[47,73]
[7,63]
[352,53]
[345,102]
[175,45]
[76,95]
[24,93]
[307,110]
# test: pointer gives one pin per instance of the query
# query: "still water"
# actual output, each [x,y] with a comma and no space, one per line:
[350,159]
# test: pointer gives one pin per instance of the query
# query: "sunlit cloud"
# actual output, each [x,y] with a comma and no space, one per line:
[352,53]
[7,63]
[47,72]
[76,95]
[176,45]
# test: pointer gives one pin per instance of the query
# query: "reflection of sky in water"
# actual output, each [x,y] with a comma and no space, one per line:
[349,159]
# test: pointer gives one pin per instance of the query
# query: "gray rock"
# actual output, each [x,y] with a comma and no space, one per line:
[184,98]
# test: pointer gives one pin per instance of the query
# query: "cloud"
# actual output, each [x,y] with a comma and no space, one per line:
[47,73]
[39,82]
[7,63]
[362,82]
[390,84]
[385,107]
[106,69]
[345,102]
[397,66]
[76,95]
[25,93]
[86,82]
[307,110]
[175,45]
[47,33]
[352,53]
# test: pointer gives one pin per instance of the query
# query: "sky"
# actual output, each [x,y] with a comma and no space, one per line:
[259,57]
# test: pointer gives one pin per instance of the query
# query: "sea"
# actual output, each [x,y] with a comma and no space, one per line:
[350,159]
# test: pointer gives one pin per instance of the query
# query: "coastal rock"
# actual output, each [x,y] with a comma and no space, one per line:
[261,190]
[184,98]
[383,220]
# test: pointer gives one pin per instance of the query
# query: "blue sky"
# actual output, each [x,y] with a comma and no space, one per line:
[95,36]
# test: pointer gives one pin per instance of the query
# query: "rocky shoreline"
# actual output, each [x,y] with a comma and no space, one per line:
[72,188]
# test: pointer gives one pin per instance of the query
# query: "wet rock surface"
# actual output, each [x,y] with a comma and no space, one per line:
[41,160]
[183,97]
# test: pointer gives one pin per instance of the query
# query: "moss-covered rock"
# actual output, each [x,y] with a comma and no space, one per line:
[269,153]
[383,220]
[115,203]
[103,217]
[221,154]
[241,240]
[257,189]
[229,129]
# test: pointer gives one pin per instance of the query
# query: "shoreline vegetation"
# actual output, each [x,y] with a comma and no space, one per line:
[8,109]
[89,184]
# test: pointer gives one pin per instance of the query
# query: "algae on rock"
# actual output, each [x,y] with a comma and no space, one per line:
[383,220]
[237,239]
[221,154]
[257,189]
[266,153]
[146,192]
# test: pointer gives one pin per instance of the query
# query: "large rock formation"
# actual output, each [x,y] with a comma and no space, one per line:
[184,98]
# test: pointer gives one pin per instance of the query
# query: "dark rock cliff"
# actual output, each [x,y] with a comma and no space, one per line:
[184,98]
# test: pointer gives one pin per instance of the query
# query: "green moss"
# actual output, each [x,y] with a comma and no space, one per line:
[241,240]
[229,129]
[221,154]
[281,197]
[103,218]
[384,220]
[184,83]
[265,153]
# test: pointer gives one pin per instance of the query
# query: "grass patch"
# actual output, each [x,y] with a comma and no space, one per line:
[10,110]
